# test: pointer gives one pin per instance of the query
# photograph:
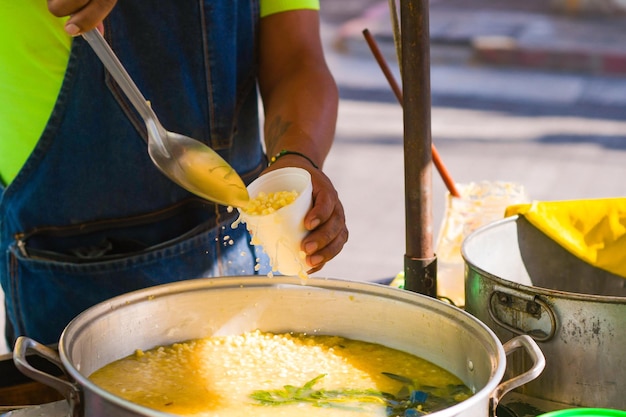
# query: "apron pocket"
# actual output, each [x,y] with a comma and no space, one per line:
[49,287]
[110,239]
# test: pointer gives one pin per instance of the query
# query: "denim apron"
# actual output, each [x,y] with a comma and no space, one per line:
[89,216]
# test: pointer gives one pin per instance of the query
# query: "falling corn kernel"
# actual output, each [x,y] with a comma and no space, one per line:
[267,203]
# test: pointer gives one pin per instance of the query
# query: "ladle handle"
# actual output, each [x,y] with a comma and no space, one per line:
[119,74]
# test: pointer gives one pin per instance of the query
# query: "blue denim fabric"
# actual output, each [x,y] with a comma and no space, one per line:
[89,216]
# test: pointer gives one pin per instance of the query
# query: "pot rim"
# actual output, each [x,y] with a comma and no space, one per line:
[331,284]
[609,299]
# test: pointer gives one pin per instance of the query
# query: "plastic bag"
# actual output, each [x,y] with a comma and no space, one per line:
[593,230]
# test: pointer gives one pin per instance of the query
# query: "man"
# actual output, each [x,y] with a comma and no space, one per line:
[86,215]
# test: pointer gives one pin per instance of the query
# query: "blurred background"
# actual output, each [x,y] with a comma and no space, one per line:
[530,91]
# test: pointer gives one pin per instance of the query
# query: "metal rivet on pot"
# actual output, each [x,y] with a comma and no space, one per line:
[533,308]
[504,299]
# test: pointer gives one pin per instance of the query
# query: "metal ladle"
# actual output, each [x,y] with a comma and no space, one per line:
[186,161]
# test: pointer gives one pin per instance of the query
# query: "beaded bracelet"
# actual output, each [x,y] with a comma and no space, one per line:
[286,152]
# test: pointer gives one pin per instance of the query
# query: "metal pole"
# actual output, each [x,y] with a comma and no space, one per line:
[420,264]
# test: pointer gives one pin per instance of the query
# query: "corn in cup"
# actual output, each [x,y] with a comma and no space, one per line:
[267,203]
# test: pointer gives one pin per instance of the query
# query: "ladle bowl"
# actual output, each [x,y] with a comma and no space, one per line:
[186,161]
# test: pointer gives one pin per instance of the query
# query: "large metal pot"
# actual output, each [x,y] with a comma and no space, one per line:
[518,281]
[171,313]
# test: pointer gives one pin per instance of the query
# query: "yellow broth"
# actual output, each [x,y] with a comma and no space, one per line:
[226,376]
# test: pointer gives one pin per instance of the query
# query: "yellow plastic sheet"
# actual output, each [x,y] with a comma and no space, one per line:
[593,230]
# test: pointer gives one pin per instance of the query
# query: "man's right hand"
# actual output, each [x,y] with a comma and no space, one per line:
[85,14]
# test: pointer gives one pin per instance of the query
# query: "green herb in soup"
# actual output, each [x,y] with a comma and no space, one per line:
[265,374]
[339,398]
[421,402]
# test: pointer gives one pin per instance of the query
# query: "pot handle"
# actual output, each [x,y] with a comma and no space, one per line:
[539,363]
[525,304]
[70,391]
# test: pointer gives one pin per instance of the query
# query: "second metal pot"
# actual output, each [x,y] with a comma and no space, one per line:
[518,281]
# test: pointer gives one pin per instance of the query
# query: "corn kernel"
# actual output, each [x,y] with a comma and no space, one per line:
[267,203]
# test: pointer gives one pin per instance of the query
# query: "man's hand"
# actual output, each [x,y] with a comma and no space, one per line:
[325,220]
[85,14]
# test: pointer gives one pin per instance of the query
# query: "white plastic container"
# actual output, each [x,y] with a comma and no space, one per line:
[280,233]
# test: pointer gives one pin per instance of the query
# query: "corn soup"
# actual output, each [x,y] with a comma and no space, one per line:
[267,203]
[265,374]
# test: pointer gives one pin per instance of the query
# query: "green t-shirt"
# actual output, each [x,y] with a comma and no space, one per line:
[33,56]
[34,50]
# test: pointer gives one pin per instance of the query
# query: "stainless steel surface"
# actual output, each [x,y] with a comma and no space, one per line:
[518,281]
[69,390]
[55,409]
[401,319]
[186,161]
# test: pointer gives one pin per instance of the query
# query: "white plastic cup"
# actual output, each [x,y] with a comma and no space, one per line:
[280,233]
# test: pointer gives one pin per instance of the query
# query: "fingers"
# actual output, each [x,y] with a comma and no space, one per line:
[85,14]
[320,257]
[61,8]
[326,220]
